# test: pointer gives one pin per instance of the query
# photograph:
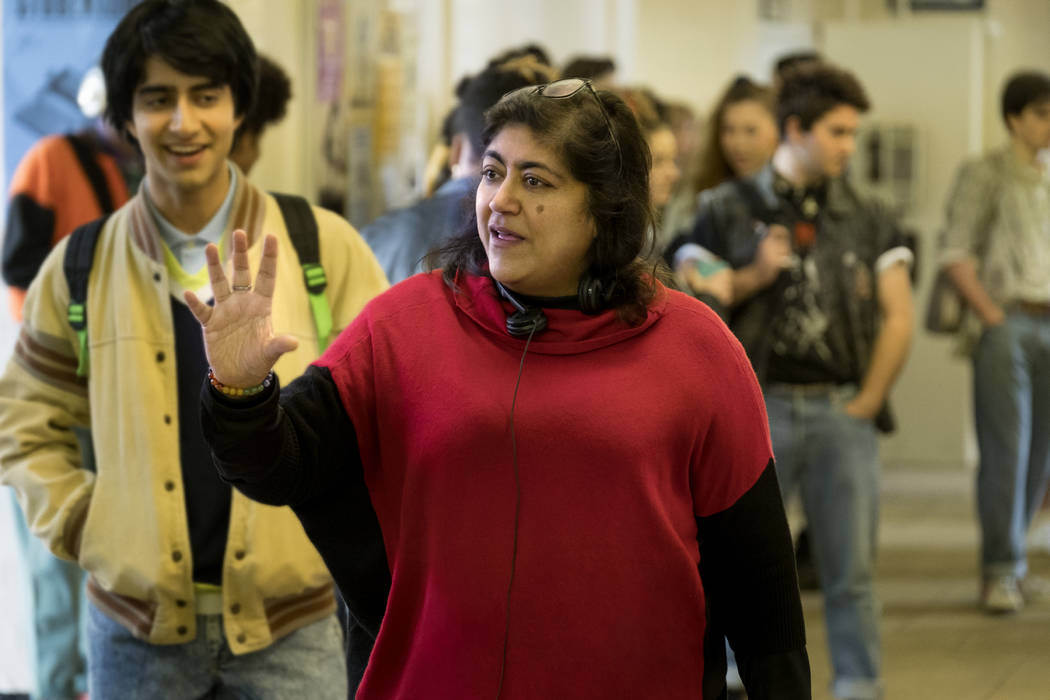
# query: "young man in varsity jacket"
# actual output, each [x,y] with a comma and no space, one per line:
[822,304]
[192,588]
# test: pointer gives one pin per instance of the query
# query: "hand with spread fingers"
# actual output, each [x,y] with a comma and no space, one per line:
[238,333]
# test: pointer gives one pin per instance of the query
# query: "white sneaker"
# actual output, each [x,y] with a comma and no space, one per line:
[1001,595]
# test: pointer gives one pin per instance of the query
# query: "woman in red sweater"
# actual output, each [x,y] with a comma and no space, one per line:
[536,472]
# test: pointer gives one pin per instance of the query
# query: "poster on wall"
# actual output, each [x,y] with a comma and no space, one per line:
[48,47]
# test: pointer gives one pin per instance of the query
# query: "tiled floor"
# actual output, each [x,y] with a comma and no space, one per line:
[936,644]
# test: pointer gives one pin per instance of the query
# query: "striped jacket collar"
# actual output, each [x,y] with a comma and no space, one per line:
[249,206]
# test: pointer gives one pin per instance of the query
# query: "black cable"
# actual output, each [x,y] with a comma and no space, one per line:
[517,511]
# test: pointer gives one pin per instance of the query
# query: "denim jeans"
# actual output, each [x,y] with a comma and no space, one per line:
[57,616]
[831,458]
[308,663]
[1011,377]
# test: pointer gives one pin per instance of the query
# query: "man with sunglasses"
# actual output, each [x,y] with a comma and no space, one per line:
[823,305]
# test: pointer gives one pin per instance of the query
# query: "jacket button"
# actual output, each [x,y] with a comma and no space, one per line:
[167,419]
[241,638]
[235,608]
[176,555]
[156,277]
[160,356]
[180,603]
[169,485]
[239,554]
[182,630]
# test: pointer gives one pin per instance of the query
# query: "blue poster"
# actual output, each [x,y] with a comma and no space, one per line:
[48,46]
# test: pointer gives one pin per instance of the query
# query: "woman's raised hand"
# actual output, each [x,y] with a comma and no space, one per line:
[238,333]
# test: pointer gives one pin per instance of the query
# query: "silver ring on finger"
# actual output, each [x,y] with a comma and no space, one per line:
[241,288]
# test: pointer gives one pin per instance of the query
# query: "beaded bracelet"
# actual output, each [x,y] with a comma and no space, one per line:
[237,393]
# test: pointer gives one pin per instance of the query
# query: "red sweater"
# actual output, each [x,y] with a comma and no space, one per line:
[624,437]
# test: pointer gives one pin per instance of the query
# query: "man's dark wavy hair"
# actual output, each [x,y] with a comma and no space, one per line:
[617,192]
[196,37]
[811,90]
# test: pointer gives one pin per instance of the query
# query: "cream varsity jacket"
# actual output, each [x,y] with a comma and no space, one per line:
[126,524]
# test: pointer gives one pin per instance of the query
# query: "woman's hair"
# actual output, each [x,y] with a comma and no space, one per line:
[196,37]
[617,181]
[714,168]
[647,108]
[589,67]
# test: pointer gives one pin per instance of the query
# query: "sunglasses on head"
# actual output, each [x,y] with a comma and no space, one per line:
[565,88]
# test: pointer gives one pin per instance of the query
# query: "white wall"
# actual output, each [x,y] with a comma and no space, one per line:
[689,50]
[282,30]
[925,71]
[1016,36]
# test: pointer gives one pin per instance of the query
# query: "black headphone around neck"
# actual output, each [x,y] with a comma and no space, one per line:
[594,295]
[525,321]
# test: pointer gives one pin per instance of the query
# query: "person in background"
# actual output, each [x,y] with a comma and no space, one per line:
[739,141]
[192,589]
[429,429]
[822,303]
[714,290]
[996,250]
[271,103]
[61,183]
[401,239]
[663,147]
[741,134]
[686,126]
[437,170]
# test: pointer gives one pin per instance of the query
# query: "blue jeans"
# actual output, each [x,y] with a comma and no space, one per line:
[57,615]
[832,459]
[1011,379]
[308,663]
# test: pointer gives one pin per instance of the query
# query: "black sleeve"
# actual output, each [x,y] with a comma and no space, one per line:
[297,447]
[748,570]
[703,232]
[27,240]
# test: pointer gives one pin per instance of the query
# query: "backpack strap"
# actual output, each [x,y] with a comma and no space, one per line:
[302,229]
[79,257]
[85,153]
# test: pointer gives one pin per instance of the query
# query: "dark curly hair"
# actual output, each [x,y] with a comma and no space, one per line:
[271,98]
[617,181]
[196,37]
[811,90]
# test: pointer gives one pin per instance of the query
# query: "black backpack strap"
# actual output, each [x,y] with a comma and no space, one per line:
[80,256]
[302,229]
[85,153]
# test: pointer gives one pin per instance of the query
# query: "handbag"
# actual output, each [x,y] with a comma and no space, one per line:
[944,310]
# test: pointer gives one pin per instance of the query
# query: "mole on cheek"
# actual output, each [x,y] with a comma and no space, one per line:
[539,208]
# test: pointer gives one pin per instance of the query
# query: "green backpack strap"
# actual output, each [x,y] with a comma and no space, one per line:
[302,229]
[79,257]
